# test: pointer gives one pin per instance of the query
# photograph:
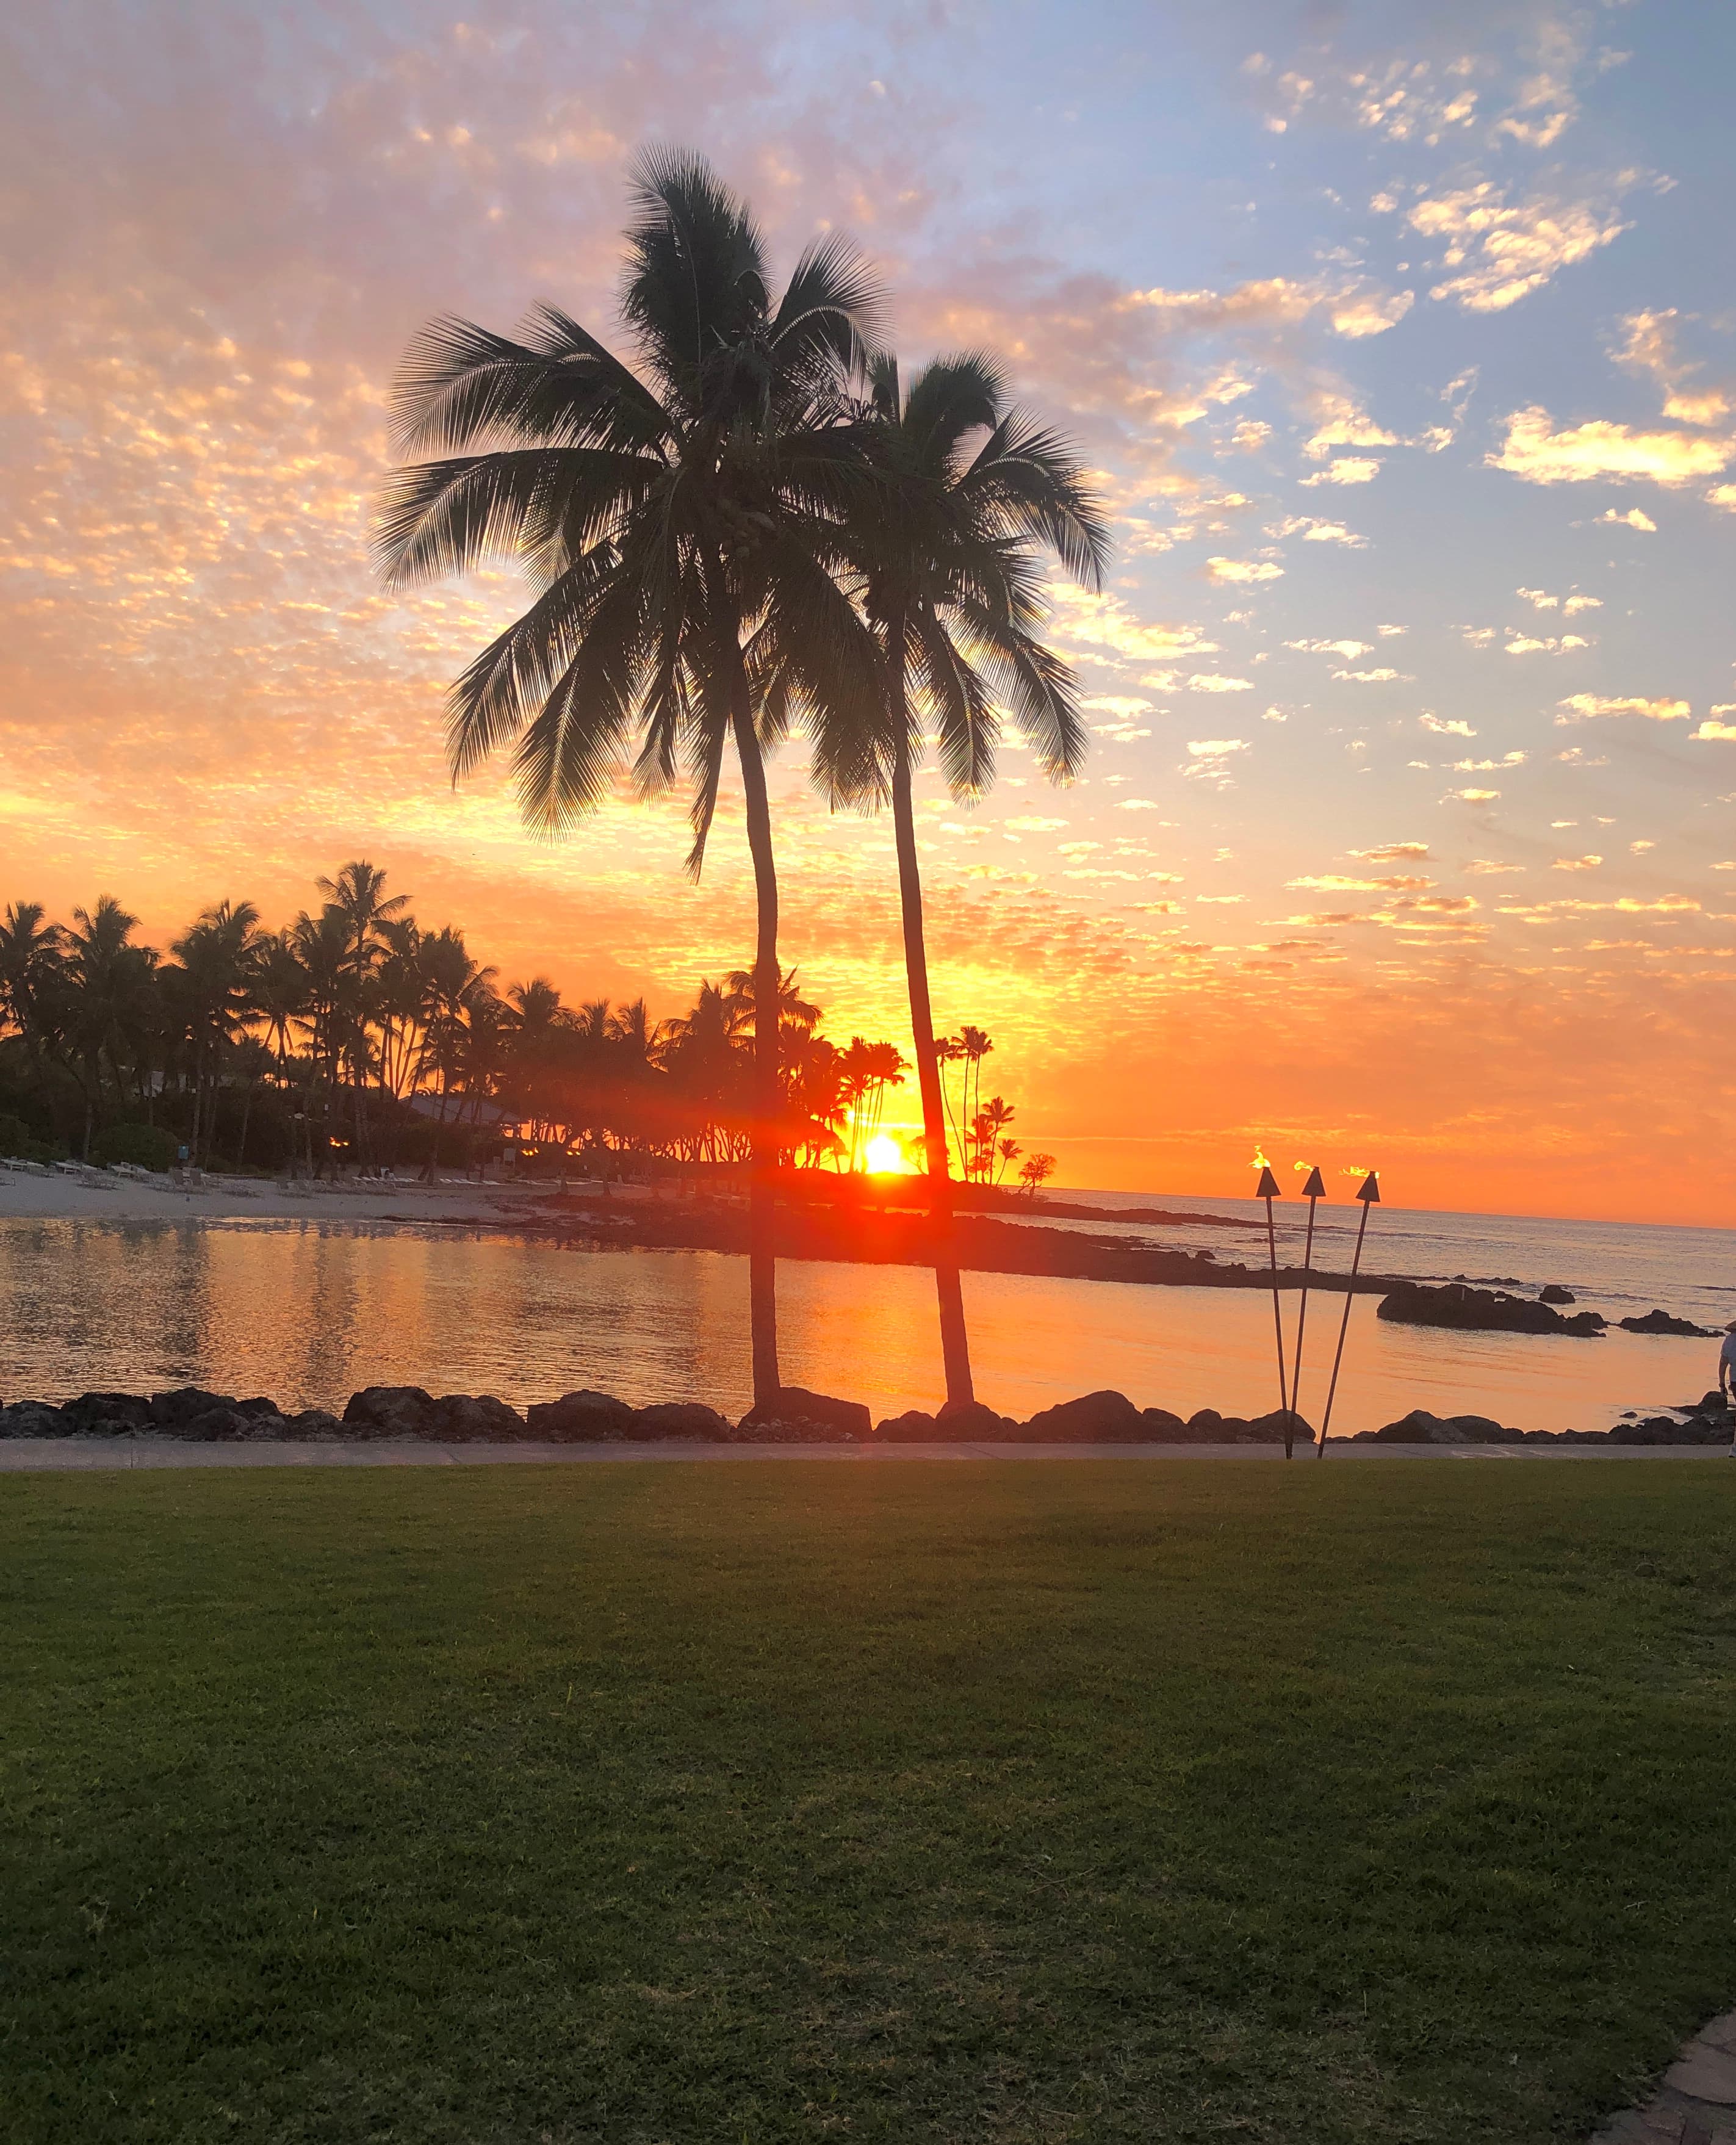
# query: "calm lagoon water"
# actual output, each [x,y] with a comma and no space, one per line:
[307,1312]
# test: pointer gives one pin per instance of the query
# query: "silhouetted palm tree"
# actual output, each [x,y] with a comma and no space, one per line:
[32,964]
[680,521]
[974,494]
[220,955]
[110,984]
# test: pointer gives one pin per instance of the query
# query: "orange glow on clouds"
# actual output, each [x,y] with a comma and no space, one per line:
[1202,945]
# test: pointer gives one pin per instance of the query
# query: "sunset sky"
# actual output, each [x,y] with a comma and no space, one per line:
[1402,338]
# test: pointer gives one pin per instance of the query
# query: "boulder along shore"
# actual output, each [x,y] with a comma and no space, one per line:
[795,1416]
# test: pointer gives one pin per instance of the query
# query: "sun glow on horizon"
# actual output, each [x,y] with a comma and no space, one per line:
[885,1157]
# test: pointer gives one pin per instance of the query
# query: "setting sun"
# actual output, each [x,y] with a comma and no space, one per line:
[885,1157]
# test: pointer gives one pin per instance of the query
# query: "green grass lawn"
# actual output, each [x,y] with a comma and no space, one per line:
[762,1802]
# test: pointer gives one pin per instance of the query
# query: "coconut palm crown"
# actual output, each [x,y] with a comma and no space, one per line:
[679,517]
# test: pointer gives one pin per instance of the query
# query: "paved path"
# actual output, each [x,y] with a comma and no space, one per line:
[1696,2103]
[24,1455]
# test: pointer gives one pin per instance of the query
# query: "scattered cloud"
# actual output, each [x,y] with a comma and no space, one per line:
[1214,681]
[1576,863]
[1531,643]
[1393,853]
[1348,469]
[1470,796]
[1635,519]
[1209,759]
[1341,422]
[1579,707]
[1487,868]
[1535,450]
[1313,530]
[1338,883]
[1712,731]
[1721,495]
[1506,249]
[1455,729]
[1029,826]
[1370,313]
[1385,676]
[1349,650]
[1243,569]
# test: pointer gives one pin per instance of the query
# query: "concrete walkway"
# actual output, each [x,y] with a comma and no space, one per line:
[25,1456]
[1696,2103]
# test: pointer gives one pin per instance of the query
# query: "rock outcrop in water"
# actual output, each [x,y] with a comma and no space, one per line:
[1468,1309]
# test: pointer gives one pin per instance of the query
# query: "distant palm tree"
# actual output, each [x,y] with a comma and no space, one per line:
[32,960]
[110,981]
[1035,1171]
[220,954]
[681,522]
[950,560]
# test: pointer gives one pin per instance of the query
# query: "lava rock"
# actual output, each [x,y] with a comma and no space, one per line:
[974,1421]
[1271,1429]
[1669,1430]
[581,1418]
[390,1412]
[1554,1293]
[1483,1311]
[768,1430]
[476,1419]
[793,1405]
[1660,1321]
[170,1412]
[33,1418]
[1419,1428]
[682,1419]
[913,1427]
[107,1414]
[311,1423]
[1102,1417]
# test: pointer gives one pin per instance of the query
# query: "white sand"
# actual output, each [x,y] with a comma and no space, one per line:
[98,1194]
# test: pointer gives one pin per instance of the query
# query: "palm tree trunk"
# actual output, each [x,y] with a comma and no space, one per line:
[955,1348]
[762,1193]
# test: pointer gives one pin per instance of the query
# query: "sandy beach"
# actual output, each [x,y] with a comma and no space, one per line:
[99,1195]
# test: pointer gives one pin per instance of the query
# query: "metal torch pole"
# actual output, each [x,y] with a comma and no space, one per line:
[1269,1191]
[1370,1195]
[1314,1190]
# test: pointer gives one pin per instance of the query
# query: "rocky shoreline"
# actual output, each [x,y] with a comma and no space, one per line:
[796,1415]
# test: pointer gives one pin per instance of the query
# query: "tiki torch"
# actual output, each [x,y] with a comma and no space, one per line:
[1269,1190]
[1370,1195]
[1314,1190]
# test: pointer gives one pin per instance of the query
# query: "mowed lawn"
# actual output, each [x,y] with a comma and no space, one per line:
[1090,1800]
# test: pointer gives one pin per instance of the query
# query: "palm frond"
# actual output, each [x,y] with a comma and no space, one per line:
[447,517]
[696,278]
[1028,477]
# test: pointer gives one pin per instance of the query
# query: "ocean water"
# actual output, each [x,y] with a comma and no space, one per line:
[307,1312]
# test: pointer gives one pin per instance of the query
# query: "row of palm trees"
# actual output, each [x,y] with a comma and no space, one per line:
[355,1010]
[753,526]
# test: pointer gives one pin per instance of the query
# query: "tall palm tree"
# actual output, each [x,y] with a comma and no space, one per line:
[974,494]
[680,518]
